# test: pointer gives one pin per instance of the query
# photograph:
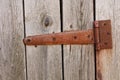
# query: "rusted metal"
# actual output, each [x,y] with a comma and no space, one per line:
[100,35]
[71,37]
[97,36]
[103,36]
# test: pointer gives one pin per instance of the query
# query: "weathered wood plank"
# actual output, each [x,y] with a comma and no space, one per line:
[108,65]
[12,51]
[78,60]
[44,62]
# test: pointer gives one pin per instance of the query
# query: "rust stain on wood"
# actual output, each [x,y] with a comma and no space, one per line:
[99,75]
[98,66]
[101,57]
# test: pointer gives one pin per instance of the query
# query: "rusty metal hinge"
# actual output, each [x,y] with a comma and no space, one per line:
[100,35]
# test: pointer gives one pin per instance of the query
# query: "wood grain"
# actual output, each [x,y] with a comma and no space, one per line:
[43,17]
[108,61]
[78,60]
[12,51]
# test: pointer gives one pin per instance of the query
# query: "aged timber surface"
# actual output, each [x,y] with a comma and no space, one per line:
[12,51]
[108,61]
[43,62]
[78,60]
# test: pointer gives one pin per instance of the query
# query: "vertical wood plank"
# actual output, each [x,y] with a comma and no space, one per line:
[78,59]
[41,17]
[12,51]
[108,61]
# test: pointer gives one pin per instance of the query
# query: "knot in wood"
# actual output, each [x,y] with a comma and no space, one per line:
[47,21]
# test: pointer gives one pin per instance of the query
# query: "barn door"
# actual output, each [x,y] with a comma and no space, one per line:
[78,60]
[43,62]
[67,62]
[21,18]
[108,67]
[12,50]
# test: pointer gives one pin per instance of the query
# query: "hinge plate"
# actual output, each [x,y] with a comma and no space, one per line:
[104,34]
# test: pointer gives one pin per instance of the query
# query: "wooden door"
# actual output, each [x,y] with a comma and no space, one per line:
[109,60]
[59,62]
[78,59]
[12,50]
[21,18]
[43,62]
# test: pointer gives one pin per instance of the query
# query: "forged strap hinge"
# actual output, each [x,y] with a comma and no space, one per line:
[100,35]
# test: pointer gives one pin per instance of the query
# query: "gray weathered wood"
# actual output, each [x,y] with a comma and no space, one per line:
[78,60]
[12,51]
[109,60]
[43,62]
